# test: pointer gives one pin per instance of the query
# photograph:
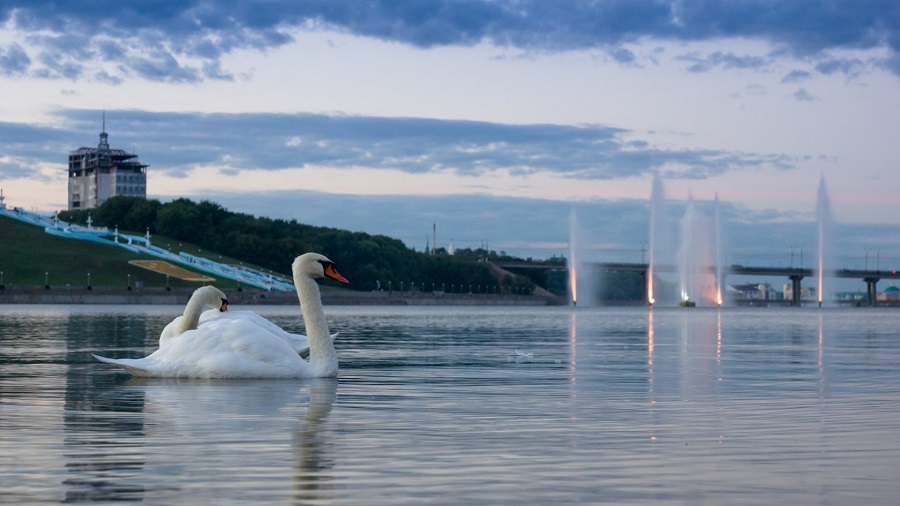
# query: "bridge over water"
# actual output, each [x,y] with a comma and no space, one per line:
[870,277]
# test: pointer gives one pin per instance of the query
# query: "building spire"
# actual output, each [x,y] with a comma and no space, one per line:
[104,138]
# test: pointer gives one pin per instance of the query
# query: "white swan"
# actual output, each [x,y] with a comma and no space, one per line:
[203,297]
[236,350]
[299,342]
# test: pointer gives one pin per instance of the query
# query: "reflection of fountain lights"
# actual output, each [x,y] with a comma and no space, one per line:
[572,343]
[650,343]
[719,337]
[821,336]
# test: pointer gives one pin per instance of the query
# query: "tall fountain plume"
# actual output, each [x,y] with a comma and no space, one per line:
[687,264]
[657,217]
[697,258]
[719,259]
[823,216]
[573,261]
[583,281]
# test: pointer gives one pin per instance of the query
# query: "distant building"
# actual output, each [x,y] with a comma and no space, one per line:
[891,294]
[760,291]
[96,174]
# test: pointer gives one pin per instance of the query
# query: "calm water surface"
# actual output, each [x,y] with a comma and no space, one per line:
[466,406]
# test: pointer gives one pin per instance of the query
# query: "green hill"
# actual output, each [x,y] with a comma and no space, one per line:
[369,261]
[29,256]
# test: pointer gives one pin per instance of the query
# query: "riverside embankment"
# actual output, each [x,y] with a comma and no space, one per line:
[179,296]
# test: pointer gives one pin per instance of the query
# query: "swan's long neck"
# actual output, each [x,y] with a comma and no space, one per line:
[191,316]
[321,349]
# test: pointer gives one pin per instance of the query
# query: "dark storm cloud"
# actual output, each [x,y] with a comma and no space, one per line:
[153,39]
[239,142]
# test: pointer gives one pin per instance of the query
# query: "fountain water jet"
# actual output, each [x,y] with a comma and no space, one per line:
[697,251]
[582,278]
[718,231]
[687,261]
[823,215]
[572,262]
[657,217]
[697,263]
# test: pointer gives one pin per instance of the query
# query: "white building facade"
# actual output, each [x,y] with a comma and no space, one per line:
[96,174]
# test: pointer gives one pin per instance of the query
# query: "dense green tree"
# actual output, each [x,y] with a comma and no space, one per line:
[369,261]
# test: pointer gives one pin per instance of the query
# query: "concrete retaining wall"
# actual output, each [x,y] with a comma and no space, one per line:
[180,296]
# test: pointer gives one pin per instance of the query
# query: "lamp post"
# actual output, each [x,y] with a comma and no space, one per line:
[129,282]
[46,280]
[89,281]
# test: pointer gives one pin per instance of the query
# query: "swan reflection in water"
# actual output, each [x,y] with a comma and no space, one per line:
[224,432]
[313,440]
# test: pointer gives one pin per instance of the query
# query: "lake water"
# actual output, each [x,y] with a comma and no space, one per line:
[446,405]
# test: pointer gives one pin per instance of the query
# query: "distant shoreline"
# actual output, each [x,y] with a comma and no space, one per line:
[179,296]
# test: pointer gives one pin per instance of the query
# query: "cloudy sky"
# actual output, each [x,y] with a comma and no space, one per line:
[491,118]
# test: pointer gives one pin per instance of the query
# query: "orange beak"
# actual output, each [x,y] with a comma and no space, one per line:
[332,273]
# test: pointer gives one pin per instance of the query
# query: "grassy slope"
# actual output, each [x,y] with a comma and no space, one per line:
[27,252]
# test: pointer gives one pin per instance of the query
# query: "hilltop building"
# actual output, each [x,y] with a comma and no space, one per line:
[96,174]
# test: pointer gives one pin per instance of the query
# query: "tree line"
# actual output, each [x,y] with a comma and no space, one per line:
[369,261]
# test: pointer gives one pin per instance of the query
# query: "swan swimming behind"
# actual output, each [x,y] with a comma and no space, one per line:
[236,349]
[203,297]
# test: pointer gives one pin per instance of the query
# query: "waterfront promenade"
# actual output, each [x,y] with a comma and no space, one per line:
[250,296]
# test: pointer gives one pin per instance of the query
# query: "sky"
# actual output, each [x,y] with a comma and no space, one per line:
[489,120]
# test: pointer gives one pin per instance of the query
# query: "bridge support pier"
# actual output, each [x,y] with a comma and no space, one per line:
[796,290]
[871,290]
